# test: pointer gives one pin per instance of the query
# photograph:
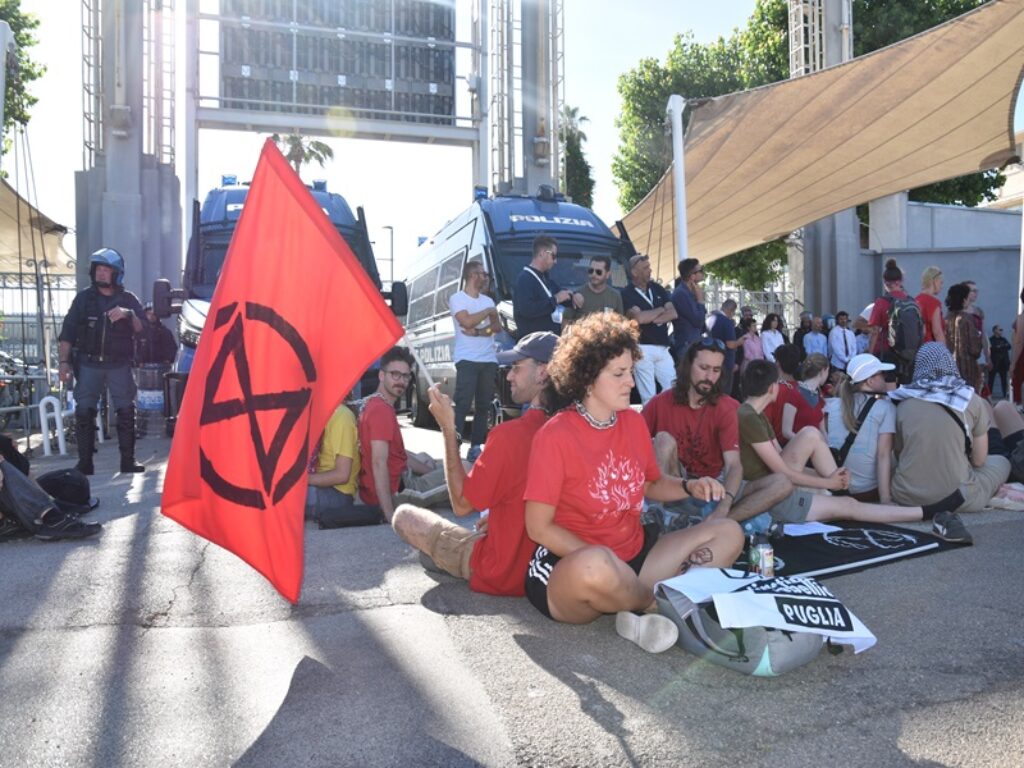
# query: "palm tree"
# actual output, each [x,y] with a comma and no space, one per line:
[571,122]
[299,150]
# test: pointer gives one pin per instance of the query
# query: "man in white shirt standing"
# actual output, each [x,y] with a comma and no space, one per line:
[842,343]
[476,362]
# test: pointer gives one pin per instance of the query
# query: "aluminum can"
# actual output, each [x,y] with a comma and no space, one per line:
[766,560]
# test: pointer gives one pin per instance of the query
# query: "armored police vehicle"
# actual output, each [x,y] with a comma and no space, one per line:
[498,232]
[212,228]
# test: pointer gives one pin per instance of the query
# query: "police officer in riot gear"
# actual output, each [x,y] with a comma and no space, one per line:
[97,345]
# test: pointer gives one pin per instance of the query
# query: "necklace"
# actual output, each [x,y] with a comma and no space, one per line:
[595,423]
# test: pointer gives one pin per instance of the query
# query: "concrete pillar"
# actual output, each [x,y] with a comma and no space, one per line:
[888,217]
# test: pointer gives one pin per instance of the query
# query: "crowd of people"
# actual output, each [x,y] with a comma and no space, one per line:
[834,423]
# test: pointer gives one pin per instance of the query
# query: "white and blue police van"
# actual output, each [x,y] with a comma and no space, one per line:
[498,232]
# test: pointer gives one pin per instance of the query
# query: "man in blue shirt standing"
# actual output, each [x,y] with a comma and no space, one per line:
[721,327]
[537,302]
[815,341]
[688,300]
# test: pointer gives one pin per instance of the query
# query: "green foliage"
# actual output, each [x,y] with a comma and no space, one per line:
[300,151]
[579,185]
[753,268]
[18,100]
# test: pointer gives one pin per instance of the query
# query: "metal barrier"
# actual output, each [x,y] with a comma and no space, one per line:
[50,410]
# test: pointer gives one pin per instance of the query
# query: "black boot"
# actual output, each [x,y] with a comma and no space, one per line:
[126,439]
[85,436]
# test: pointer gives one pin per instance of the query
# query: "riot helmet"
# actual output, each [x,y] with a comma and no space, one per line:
[107,257]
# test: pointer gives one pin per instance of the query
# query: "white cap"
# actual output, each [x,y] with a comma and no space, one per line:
[863,367]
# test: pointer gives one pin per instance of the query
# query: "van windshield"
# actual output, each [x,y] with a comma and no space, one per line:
[570,270]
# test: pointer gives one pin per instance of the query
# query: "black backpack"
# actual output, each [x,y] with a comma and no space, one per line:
[906,329]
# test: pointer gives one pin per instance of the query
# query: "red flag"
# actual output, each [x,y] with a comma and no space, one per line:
[293,323]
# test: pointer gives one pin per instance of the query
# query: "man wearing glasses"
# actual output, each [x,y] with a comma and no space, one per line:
[596,295]
[688,300]
[538,302]
[385,466]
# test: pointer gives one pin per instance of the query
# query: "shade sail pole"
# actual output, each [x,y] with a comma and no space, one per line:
[675,109]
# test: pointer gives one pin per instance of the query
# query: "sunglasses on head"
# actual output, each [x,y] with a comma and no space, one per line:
[708,342]
[595,271]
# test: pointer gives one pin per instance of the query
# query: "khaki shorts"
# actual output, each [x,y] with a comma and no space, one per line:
[794,508]
[983,483]
[450,546]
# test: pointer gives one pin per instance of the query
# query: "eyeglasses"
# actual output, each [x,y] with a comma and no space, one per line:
[709,342]
[593,271]
[399,376]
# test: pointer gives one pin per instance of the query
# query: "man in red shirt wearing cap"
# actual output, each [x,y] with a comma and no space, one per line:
[494,557]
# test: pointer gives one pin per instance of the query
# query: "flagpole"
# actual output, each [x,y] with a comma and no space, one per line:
[419,361]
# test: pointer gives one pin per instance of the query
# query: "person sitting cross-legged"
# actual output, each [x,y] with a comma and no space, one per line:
[761,455]
[493,558]
[590,468]
[696,434]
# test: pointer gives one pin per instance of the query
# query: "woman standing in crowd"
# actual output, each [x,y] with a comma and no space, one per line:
[752,348]
[808,408]
[963,339]
[771,336]
[869,456]
[590,468]
[930,305]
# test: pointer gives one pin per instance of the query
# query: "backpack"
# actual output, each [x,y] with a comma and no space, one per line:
[906,329]
[756,651]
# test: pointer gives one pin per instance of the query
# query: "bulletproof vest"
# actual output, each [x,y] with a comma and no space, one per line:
[99,337]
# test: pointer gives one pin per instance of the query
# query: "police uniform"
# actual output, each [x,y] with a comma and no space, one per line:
[102,355]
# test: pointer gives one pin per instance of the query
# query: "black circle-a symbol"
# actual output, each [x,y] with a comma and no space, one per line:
[292,402]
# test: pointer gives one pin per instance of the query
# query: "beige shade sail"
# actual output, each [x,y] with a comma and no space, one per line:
[762,163]
[27,235]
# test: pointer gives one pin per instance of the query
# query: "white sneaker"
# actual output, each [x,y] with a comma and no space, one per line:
[651,631]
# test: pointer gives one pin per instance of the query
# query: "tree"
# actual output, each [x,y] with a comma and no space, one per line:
[18,100]
[299,150]
[577,182]
[753,56]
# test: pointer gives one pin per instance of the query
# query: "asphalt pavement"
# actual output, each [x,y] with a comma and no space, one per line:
[149,646]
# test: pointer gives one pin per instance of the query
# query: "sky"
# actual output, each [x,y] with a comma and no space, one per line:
[413,188]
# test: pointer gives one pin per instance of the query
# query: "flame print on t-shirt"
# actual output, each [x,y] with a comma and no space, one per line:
[618,485]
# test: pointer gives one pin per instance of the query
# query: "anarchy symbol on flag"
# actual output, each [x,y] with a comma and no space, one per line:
[293,404]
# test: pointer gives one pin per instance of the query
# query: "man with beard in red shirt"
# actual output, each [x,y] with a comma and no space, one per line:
[696,434]
[494,557]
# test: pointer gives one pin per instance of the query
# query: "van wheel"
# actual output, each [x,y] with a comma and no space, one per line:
[418,406]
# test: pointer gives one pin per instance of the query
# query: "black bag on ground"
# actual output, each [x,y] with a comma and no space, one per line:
[11,453]
[1016,458]
[349,517]
[70,489]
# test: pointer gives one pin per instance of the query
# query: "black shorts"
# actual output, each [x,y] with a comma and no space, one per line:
[543,563]
[1002,446]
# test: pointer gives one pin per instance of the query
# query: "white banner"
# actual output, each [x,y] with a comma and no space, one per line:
[795,603]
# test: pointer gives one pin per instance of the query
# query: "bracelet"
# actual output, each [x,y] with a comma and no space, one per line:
[685,488]
[730,495]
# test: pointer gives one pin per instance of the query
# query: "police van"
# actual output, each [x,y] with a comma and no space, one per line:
[498,232]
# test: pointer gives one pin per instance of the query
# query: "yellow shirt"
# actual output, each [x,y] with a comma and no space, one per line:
[340,439]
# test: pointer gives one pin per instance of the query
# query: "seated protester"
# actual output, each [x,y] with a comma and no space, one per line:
[590,467]
[807,407]
[25,507]
[942,436]
[787,358]
[696,434]
[331,495]
[862,435]
[494,557]
[761,455]
[384,466]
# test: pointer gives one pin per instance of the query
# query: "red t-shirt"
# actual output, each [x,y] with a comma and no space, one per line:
[807,415]
[703,434]
[880,318]
[496,482]
[594,478]
[377,421]
[928,304]
[773,411]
